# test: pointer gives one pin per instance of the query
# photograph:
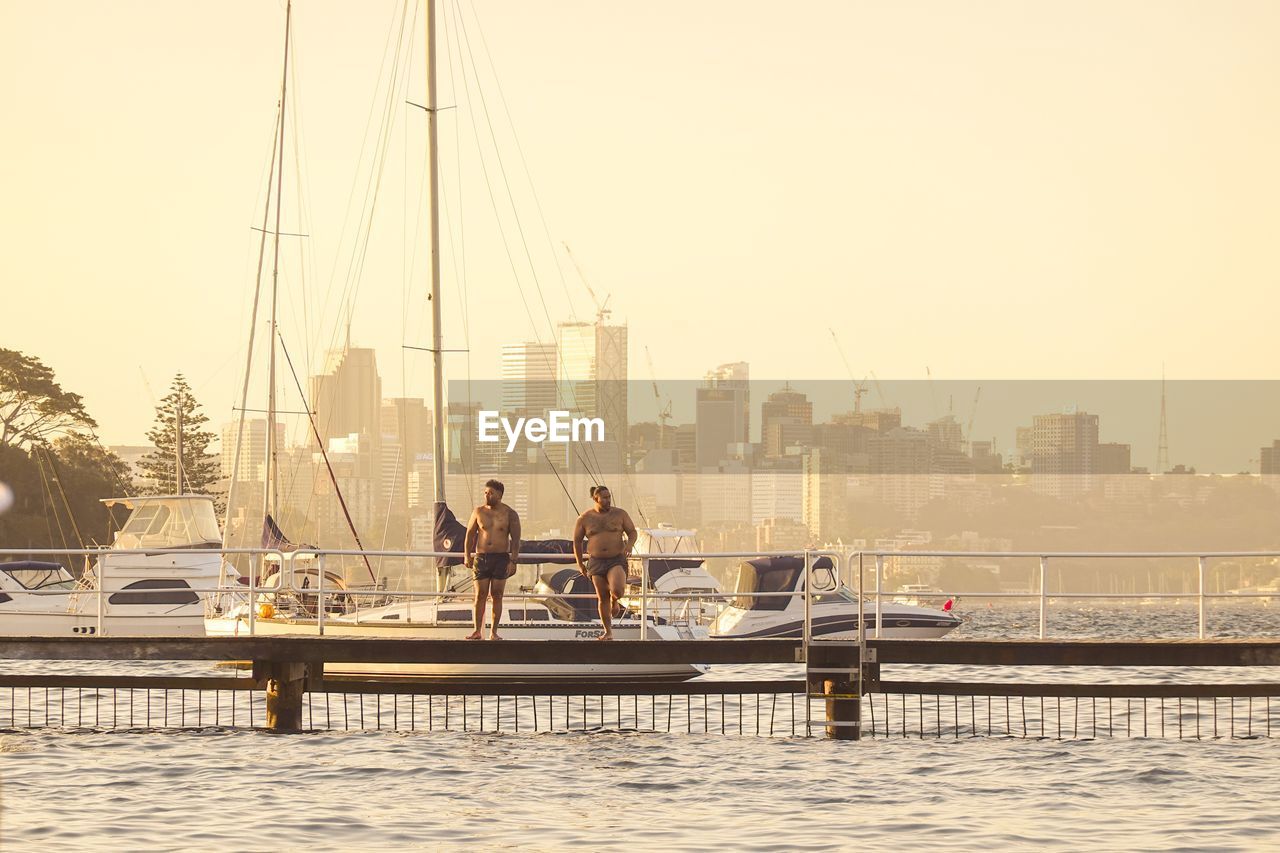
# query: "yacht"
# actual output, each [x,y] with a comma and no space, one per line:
[833,611]
[679,574]
[144,594]
[550,616]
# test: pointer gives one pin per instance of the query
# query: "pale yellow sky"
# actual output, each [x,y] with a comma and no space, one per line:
[992,189]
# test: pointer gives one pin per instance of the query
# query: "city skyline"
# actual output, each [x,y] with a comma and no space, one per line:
[932,211]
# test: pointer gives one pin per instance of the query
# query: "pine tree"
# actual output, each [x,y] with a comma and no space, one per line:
[199,467]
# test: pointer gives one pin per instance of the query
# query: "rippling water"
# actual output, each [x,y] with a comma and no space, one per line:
[238,789]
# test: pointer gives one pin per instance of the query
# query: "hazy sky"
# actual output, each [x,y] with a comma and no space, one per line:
[989,189]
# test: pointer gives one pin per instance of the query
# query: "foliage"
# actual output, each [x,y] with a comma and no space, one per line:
[199,467]
[33,407]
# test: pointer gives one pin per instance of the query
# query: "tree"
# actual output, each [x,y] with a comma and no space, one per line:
[199,467]
[33,407]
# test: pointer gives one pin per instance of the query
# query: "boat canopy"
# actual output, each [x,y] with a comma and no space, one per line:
[32,574]
[772,574]
[570,582]
[167,521]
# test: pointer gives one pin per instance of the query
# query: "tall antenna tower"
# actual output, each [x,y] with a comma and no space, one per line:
[1162,448]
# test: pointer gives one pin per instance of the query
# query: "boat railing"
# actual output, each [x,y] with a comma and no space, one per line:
[1041,593]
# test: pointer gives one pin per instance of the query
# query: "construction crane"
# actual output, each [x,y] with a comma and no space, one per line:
[859,388]
[973,413]
[602,308]
[664,412]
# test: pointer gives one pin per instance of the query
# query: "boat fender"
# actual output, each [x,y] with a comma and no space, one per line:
[266,610]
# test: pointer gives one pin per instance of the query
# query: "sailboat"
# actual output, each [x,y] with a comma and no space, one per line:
[281,609]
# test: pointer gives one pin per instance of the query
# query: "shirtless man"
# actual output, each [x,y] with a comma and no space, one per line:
[603,527]
[491,549]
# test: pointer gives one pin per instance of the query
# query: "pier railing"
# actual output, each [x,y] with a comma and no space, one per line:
[850,569]
[1042,595]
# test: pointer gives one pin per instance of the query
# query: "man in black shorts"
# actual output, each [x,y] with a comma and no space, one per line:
[603,527]
[491,549]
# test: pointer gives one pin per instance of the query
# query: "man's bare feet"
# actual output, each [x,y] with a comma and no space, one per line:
[474,635]
[605,637]
[494,636]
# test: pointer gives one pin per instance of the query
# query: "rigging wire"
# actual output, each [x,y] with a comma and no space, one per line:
[342,502]
[593,466]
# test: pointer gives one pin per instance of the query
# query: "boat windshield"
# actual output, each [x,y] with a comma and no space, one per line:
[50,578]
[169,523]
[841,594]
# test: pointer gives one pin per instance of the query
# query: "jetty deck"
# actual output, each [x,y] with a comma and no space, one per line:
[841,692]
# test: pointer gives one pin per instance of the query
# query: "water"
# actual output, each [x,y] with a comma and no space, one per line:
[222,787]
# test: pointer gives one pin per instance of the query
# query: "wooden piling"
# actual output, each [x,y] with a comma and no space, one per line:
[286,683]
[832,671]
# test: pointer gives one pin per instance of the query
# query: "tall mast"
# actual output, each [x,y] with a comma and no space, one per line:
[269,492]
[437,356]
[177,449]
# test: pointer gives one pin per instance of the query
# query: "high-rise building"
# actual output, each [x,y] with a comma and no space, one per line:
[722,414]
[1270,458]
[901,462]
[778,493]
[347,396]
[1064,453]
[406,434]
[591,362]
[1114,458]
[529,377]
[786,420]
[253,450]
[945,433]
[824,494]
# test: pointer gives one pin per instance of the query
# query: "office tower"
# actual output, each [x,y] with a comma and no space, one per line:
[529,378]
[1064,453]
[1270,459]
[591,362]
[1114,458]
[347,396]
[722,414]
[824,495]
[786,420]
[901,461]
[405,435]
[253,449]
[778,492]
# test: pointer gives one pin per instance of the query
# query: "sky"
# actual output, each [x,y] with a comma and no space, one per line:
[984,190]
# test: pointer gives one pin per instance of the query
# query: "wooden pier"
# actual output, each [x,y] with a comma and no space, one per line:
[288,668]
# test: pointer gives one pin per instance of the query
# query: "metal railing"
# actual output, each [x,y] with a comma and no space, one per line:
[1042,594]
[289,564]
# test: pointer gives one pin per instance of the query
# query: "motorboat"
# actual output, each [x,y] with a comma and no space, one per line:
[148,590]
[919,594]
[695,595]
[769,602]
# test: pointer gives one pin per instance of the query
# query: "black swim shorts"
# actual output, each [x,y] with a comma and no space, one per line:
[600,566]
[491,566]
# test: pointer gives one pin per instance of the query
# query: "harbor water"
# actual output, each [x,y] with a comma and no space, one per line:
[611,787]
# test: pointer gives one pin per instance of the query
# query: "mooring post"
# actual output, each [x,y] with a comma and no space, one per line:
[286,683]
[832,675]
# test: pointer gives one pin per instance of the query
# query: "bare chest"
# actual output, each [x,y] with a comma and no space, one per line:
[595,523]
[493,520]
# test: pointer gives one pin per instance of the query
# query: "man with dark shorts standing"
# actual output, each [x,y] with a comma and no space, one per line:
[604,526]
[491,549]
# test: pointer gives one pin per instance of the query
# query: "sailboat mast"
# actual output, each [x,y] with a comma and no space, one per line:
[437,354]
[269,490]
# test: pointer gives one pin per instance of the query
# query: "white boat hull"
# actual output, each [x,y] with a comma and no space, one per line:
[835,622]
